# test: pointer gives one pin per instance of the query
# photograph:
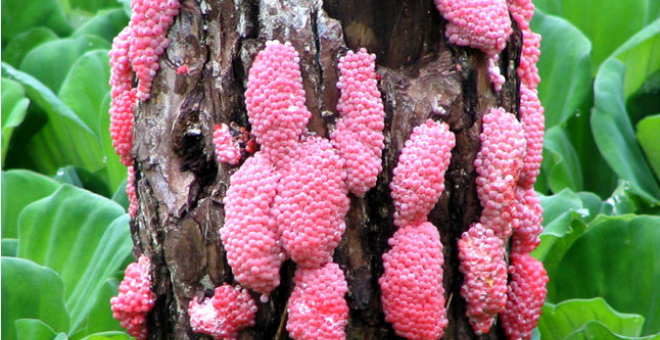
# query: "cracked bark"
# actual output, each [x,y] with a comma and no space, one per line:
[180,187]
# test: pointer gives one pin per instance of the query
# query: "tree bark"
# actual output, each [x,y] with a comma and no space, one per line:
[181,187]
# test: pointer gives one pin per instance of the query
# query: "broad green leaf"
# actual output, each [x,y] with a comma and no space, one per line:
[648,135]
[120,196]
[14,108]
[9,247]
[618,259]
[83,179]
[30,291]
[116,171]
[100,316]
[557,211]
[106,25]
[24,43]
[561,166]
[20,16]
[82,236]
[66,139]
[50,62]
[596,330]
[33,329]
[564,67]
[108,336]
[91,6]
[645,101]
[21,187]
[558,321]
[615,136]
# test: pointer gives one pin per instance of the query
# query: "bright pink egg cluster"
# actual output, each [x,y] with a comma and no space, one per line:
[250,234]
[317,308]
[498,164]
[533,123]
[419,177]
[526,296]
[222,316]
[412,291]
[311,203]
[135,299]
[227,149]
[359,133]
[275,100]
[482,261]
[131,192]
[530,216]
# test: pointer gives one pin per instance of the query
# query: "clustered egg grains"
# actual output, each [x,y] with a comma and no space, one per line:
[227,149]
[222,316]
[135,299]
[311,203]
[412,291]
[419,175]
[317,308]
[533,123]
[530,214]
[481,254]
[131,193]
[359,132]
[275,100]
[250,234]
[498,164]
[527,292]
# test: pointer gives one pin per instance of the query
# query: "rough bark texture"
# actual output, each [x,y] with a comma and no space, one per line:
[180,186]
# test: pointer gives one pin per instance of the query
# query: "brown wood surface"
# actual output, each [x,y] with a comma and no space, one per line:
[180,186]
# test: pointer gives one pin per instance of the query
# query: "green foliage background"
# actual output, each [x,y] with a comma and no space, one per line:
[65,234]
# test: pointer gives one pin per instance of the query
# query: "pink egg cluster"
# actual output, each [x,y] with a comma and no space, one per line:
[275,100]
[311,203]
[533,123]
[526,296]
[498,165]
[530,214]
[135,299]
[131,193]
[317,308]
[419,177]
[227,149]
[359,132]
[250,234]
[412,291]
[222,316]
[481,254]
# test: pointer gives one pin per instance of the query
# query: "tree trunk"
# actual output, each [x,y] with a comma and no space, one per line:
[181,187]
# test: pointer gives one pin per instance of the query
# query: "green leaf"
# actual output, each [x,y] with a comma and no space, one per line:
[66,139]
[106,25]
[14,108]
[561,166]
[558,321]
[108,336]
[50,62]
[618,259]
[117,172]
[9,247]
[564,67]
[120,196]
[92,6]
[31,291]
[615,136]
[83,236]
[596,330]
[20,16]
[32,329]
[21,187]
[23,43]
[83,179]
[649,139]
[100,316]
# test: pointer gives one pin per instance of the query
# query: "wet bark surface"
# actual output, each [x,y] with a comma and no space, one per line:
[181,187]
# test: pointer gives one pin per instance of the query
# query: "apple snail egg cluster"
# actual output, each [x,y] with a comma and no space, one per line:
[233,305]
[135,299]
[227,149]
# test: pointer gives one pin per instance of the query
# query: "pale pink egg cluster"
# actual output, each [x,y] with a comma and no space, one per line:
[527,292]
[359,132]
[532,119]
[317,307]
[419,177]
[136,49]
[135,299]
[498,164]
[530,216]
[275,100]
[250,234]
[481,254]
[311,203]
[227,149]
[130,192]
[480,24]
[412,290]
[223,315]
